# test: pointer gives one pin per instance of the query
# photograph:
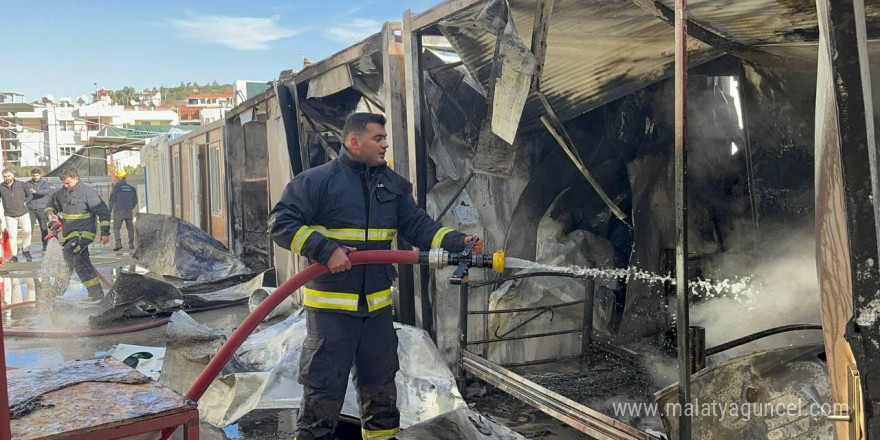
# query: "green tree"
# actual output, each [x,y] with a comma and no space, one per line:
[124,96]
[177,95]
[133,171]
[22,172]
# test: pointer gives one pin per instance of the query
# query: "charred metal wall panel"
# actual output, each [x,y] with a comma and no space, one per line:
[247,167]
[779,109]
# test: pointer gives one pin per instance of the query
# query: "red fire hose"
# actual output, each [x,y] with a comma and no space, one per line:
[251,322]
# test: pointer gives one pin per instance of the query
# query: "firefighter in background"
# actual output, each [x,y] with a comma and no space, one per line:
[354,202]
[80,209]
[123,200]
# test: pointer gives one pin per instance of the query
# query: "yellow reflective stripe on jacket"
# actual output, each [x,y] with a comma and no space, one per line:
[330,300]
[379,435]
[103,223]
[345,301]
[70,216]
[355,234]
[382,234]
[88,235]
[91,283]
[438,237]
[380,299]
[299,239]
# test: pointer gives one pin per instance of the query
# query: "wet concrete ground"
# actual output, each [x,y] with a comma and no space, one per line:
[20,283]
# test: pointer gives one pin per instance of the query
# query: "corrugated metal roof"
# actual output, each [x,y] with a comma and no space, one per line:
[596,52]
[141,131]
[756,21]
[601,50]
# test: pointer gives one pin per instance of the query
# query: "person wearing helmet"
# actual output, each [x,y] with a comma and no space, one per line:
[123,200]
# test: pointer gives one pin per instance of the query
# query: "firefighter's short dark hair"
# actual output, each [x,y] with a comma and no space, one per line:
[357,124]
[68,172]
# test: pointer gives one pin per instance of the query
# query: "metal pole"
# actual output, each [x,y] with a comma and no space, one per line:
[698,348]
[112,168]
[5,428]
[681,286]
[462,325]
[589,296]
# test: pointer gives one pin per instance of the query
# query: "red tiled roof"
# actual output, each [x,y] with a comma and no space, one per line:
[187,113]
[210,95]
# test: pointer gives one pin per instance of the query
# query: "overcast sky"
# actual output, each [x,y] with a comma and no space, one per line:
[63,48]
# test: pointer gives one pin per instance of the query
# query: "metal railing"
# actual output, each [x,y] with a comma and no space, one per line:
[574,414]
[586,329]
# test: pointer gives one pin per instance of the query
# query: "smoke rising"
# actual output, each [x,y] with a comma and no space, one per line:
[784,291]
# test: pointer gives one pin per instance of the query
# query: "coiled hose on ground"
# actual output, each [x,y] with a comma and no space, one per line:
[251,322]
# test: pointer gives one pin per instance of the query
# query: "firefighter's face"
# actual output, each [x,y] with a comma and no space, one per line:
[69,182]
[8,178]
[370,146]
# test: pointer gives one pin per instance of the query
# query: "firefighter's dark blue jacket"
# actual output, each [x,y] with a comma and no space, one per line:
[123,199]
[81,211]
[343,203]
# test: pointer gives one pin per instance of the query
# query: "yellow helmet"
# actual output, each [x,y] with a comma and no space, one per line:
[120,173]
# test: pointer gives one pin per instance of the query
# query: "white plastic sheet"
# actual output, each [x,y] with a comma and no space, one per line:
[264,371]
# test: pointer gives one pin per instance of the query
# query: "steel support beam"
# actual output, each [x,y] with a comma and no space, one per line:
[682,317]
[303,138]
[555,127]
[324,144]
[5,428]
[580,417]
[291,128]
[842,23]
[735,48]
[441,11]
[417,154]
[395,112]
[540,30]
[370,45]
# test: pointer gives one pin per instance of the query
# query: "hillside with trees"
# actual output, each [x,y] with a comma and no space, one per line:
[171,95]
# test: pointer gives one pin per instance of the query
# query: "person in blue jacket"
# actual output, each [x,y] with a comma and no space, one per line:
[39,190]
[123,202]
[354,202]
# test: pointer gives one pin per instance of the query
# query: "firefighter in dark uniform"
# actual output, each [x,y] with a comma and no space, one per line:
[123,200]
[354,202]
[80,209]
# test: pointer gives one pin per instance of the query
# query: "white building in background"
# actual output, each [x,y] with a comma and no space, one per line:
[150,97]
[53,131]
[205,108]
[92,117]
[246,89]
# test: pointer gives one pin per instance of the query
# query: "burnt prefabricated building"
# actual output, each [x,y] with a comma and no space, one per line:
[547,127]
[556,118]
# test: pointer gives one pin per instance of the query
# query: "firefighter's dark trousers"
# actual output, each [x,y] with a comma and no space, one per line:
[334,342]
[118,219]
[76,254]
[39,217]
